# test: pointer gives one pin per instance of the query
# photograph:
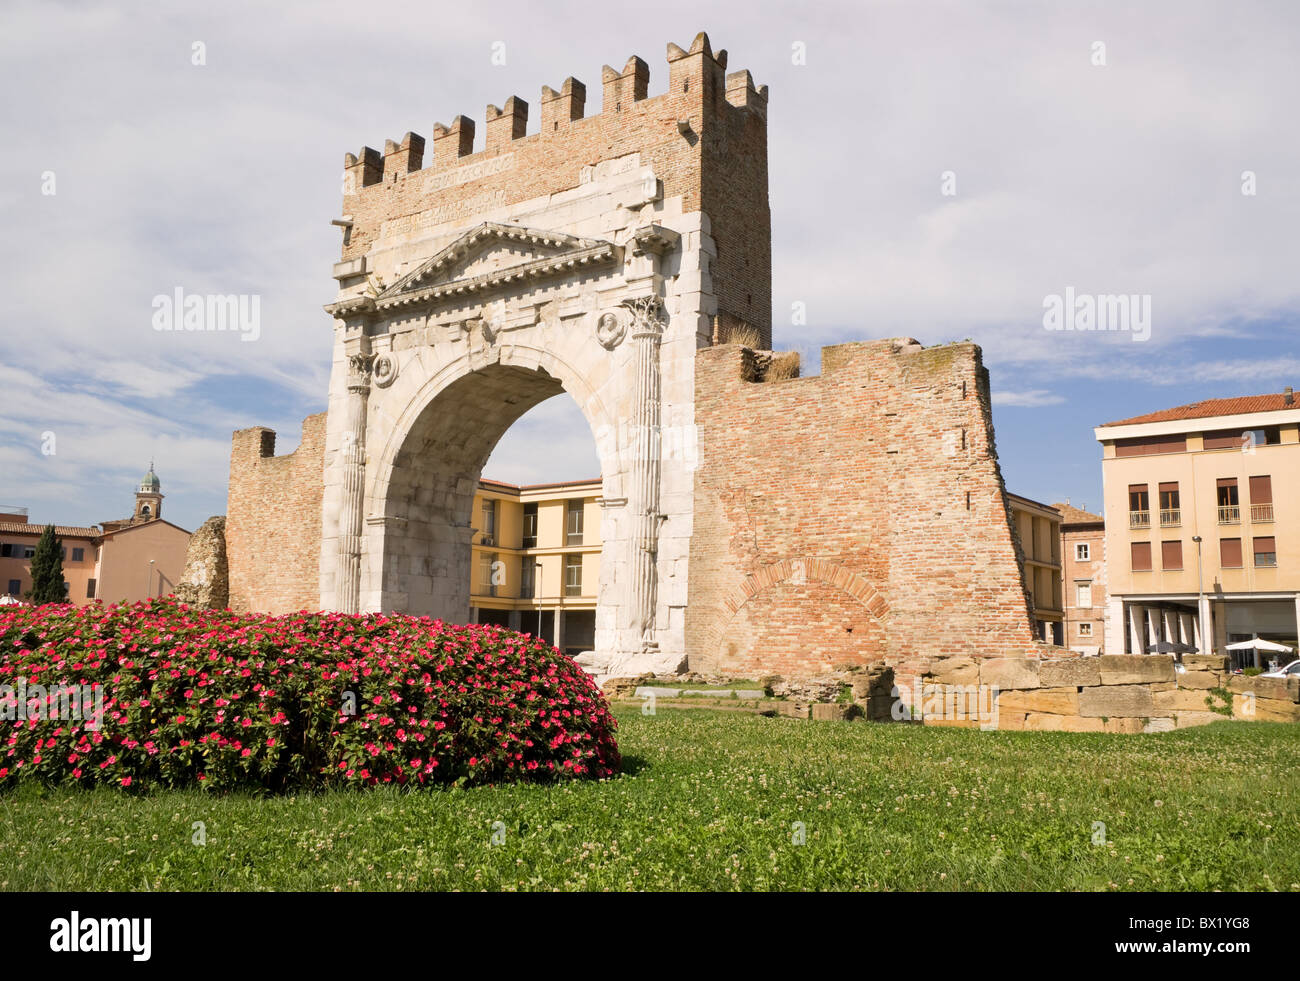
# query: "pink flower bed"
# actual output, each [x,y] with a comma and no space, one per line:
[302,701]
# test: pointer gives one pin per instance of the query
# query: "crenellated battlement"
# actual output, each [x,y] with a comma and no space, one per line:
[697,73]
[700,145]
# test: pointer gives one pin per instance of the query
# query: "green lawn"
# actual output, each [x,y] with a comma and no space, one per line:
[710,801]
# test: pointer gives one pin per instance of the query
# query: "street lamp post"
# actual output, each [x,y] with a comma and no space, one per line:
[538,567]
[1200,597]
[148,586]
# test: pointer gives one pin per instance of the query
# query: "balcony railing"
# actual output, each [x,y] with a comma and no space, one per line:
[1230,514]
[1139,519]
[1171,518]
[1261,513]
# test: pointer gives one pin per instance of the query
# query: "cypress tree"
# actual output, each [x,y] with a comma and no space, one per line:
[47,569]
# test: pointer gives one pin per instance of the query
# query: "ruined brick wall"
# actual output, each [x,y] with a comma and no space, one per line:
[273,520]
[855,517]
[718,164]
[734,196]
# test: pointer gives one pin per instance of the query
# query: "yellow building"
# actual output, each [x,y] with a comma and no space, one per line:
[1039,528]
[1202,525]
[537,560]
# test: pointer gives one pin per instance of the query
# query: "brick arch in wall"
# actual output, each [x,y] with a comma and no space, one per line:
[781,591]
[431,456]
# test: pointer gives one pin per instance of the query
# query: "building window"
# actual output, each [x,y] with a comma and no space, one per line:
[527,577]
[1171,555]
[1141,556]
[1139,506]
[29,551]
[90,589]
[487,569]
[489,522]
[573,523]
[530,525]
[78,555]
[1082,552]
[1171,515]
[1149,445]
[15,587]
[1229,506]
[1230,553]
[6,551]
[1266,553]
[1261,499]
[1085,630]
[573,575]
[1236,439]
[1083,594]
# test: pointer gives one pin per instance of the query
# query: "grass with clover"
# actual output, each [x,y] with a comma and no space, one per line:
[717,801]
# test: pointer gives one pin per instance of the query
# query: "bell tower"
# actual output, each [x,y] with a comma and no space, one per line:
[148,499]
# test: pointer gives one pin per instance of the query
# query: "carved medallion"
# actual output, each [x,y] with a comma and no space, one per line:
[610,330]
[385,370]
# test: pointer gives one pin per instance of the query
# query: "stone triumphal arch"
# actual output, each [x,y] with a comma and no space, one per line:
[436,367]
[751,519]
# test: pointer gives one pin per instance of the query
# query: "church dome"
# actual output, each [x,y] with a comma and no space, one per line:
[149,483]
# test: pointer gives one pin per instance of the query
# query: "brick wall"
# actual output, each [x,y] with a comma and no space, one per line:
[273,520]
[856,517]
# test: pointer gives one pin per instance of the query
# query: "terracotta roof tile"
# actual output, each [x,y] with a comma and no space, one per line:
[1070,515]
[1274,402]
[63,531]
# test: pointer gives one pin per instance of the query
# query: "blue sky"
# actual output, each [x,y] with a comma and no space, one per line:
[222,177]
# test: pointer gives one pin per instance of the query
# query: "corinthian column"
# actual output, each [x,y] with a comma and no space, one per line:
[348,589]
[643,497]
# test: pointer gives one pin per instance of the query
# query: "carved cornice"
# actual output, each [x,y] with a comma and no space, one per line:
[654,240]
[431,280]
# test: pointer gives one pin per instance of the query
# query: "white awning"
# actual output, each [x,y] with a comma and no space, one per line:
[1259,644]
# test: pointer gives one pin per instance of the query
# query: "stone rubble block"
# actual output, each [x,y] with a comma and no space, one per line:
[1109,701]
[1006,673]
[1136,669]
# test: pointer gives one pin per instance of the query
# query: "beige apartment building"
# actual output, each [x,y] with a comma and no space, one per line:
[1202,525]
[1083,559]
[536,560]
[1039,528]
[121,560]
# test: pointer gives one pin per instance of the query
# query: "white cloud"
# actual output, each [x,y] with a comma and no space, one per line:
[1027,399]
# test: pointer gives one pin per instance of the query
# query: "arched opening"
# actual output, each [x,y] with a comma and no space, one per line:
[466,549]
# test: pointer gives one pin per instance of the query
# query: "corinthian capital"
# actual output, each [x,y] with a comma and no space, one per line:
[648,315]
[359,366]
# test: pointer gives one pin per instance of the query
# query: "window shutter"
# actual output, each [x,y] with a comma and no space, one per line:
[1261,490]
[1141,556]
[1230,553]
[1171,555]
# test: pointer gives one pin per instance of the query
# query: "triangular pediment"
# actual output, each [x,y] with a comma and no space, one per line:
[492,255]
